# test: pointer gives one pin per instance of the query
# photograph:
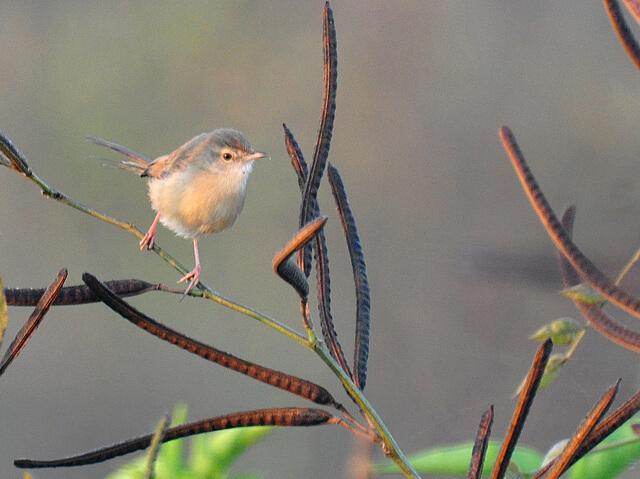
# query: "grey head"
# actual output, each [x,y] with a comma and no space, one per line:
[225,148]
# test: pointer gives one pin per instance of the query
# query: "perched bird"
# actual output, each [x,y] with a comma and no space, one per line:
[199,188]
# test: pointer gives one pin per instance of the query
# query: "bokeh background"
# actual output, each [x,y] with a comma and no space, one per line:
[461,271]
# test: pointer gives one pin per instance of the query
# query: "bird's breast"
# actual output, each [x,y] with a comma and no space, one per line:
[194,201]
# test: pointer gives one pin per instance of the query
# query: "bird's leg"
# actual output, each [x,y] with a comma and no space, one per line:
[194,276]
[150,238]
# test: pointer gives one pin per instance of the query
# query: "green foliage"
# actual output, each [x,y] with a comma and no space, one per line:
[454,460]
[561,331]
[211,455]
[552,369]
[612,457]
[583,292]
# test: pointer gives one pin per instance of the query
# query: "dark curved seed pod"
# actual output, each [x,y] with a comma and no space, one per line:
[300,167]
[561,463]
[583,265]
[34,321]
[324,304]
[295,154]
[607,426]
[569,275]
[363,301]
[309,207]
[480,445]
[322,262]
[293,275]
[286,382]
[593,313]
[309,196]
[80,294]
[522,410]
[625,36]
[262,417]
[325,130]
[287,270]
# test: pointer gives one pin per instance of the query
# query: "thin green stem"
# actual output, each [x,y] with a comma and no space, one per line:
[154,448]
[614,445]
[575,343]
[263,318]
[390,446]
[306,320]
[628,266]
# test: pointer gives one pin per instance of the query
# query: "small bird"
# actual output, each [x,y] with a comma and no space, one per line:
[199,188]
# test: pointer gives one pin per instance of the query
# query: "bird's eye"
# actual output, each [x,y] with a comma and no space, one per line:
[227,156]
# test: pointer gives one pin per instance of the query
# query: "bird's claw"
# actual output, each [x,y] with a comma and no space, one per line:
[148,240]
[193,277]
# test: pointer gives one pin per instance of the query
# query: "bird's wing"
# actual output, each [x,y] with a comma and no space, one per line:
[177,160]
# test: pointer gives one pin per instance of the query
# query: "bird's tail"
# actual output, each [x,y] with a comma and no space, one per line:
[138,163]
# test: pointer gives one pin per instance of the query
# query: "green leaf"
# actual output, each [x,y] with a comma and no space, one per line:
[172,452]
[550,372]
[585,293]
[454,460]
[561,331]
[213,454]
[608,462]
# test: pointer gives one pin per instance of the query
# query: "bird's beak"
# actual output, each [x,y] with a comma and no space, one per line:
[256,155]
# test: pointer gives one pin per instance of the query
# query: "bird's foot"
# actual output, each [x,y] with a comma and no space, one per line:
[193,277]
[148,240]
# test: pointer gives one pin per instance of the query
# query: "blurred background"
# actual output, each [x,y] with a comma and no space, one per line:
[461,271]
